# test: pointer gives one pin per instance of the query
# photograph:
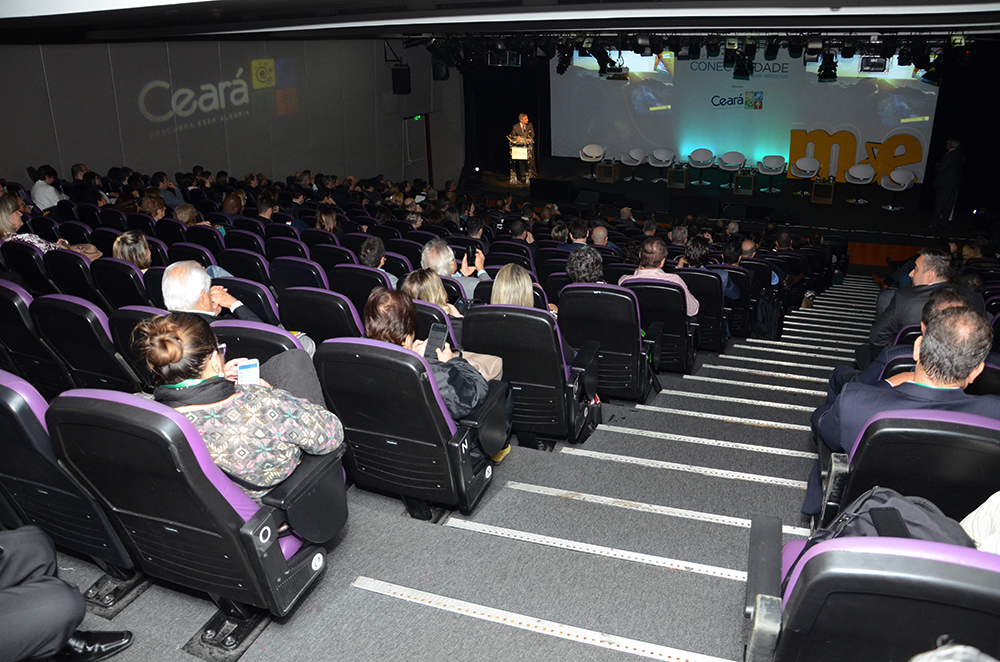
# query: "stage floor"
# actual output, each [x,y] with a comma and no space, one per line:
[866,223]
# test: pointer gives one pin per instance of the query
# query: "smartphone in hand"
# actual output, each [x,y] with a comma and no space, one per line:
[436,340]
[248,373]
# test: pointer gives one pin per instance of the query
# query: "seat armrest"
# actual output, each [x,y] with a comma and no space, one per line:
[489,419]
[480,415]
[584,366]
[833,490]
[314,498]
[764,564]
[763,640]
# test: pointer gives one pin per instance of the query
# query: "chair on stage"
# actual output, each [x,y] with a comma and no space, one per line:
[731,162]
[635,157]
[701,159]
[898,180]
[771,165]
[662,158]
[592,154]
[805,169]
[861,174]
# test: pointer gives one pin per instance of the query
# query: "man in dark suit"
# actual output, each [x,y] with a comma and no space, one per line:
[946,183]
[933,269]
[523,135]
[949,356]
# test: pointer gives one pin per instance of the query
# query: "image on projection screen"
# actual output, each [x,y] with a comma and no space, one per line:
[782,109]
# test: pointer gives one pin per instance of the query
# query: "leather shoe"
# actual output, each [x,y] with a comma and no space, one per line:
[893,264]
[880,282]
[90,646]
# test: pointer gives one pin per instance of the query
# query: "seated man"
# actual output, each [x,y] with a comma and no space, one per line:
[696,256]
[652,257]
[578,234]
[949,356]
[439,258]
[372,254]
[600,237]
[187,288]
[39,612]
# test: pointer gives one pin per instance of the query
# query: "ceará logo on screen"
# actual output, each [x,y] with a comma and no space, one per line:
[720,101]
[159,106]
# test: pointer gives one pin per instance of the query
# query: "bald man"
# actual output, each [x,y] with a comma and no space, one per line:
[600,236]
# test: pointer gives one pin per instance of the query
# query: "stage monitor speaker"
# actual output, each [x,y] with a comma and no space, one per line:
[587,197]
[613,199]
[401,79]
[552,189]
[439,69]
[683,205]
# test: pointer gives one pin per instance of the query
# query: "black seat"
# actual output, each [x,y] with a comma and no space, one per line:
[352,241]
[113,218]
[42,493]
[313,237]
[184,250]
[280,230]
[144,223]
[951,459]
[27,260]
[296,272]
[609,314]
[153,278]
[158,252]
[246,264]
[398,265]
[71,273]
[122,324]
[245,240]
[739,312]
[663,302]
[554,284]
[356,282]
[411,250]
[34,358]
[498,259]
[419,452]
[249,225]
[78,332]
[384,232]
[706,287]
[867,598]
[552,393]
[188,522]
[907,335]
[207,237]
[254,295]
[285,247]
[171,231]
[255,340]
[328,256]
[319,313]
[104,239]
[75,232]
[120,282]
[88,214]
[484,293]
[428,314]
[615,270]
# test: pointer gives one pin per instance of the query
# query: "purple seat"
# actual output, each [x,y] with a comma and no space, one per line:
[398,265]
[104,238]
[184,250]
[328,256]
[78,332]
[113,218]
[552,392]
[907,335]
[428,314]
[315,236]
[28,261]
[665,303]
[256,340]
[870,598]
[249,225]
[706,287]
[296,272]
[144,223]
[256,296]
[88,214]
[285,247]
[246,264]
[951,459]
[420,452]
[207,237]
[75,232]
[33,358]
[411,250]
[71,273]
[171,231]
[244,240]
[319,313]
[122,324]
[609,314]
[153,279]
[189,523]
[356,282]
[158,252]
[352,241]
[277,229]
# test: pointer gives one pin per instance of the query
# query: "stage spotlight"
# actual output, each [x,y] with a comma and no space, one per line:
[771,50]
[729,58]
[849,49]
[712,48]
[565,58]
[905,58]
[873,64]
[604,60]
[795,48]
[828,68]
[814,47]
[887,49]
[743,68]
[750,49]
[694,48]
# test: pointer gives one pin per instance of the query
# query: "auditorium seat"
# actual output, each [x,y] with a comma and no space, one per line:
[706,287]
[398,265]
[296,272]
[207,237]
[285,247]
[122,324]
[319,313]
[592,154]
[249,225]
[664,303]
[858,175]
[70,271]
[170,231]
[274,229]
[27,260]
[88,214]
[701,159]
[256,296]
[866,598]
[75,232]
[635,157]
[78,332]
[315,236]
[409,249]
[254,340]
[184,250]
[42,493]
[739,312]
[662,158]
[609,314]
[245,240]
[158,252]
[113,218]
[951,459]
[34,358]
[419,452]
[246,264]
[104,239]
[771,165]
[554,284]
[356,282]
[384,232]
[190,524]
[144,223]
[553,393]
[328,256]
[806,169]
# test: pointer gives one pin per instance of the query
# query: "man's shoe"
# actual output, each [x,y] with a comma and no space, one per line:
[893,264]
[880,282]
[90,646]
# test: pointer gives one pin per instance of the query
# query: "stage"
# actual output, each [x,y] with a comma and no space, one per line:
[877,232]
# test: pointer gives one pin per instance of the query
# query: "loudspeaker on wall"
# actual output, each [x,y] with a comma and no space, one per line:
[401,79]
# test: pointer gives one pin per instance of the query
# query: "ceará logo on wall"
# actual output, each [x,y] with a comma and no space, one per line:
[158,102]
[748,101]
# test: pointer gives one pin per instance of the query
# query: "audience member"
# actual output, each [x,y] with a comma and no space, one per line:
[43,193]
[171,195]
[425,285]
[372,254]
[652,257]
[697,255]
[10,223]
[438,256]
[585,265]
[132,246]
[183,354]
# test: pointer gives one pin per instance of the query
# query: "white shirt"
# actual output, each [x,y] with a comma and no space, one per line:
[45,195]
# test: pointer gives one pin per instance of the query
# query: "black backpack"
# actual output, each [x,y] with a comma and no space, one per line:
[769,317]
[887,513]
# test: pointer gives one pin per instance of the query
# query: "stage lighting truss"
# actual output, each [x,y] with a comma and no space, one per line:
[828,67]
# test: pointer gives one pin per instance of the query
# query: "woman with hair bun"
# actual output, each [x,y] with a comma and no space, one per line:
[256,434]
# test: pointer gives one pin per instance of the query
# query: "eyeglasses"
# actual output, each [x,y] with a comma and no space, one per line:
[221,349]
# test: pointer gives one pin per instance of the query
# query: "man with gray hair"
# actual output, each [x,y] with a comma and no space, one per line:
[679,235]
[438,256]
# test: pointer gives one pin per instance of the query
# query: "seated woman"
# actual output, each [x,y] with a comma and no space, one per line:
[513,287]
[132,246]
[182,352]
[10,223]
[425,285]
[326,219]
